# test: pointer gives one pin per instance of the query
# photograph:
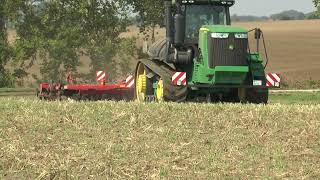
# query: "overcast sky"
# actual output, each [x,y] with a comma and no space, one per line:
[268,7]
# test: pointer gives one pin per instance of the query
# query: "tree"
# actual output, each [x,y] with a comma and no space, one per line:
[317,4]
[289,15]
[5,77]
[59,32]
[150,14]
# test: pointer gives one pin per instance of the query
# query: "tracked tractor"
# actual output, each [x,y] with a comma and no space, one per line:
[202,58]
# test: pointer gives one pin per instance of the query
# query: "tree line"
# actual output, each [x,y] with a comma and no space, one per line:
[285,15]
[57,33]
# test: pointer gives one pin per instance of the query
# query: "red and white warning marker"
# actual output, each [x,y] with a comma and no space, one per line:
[273,80]
[130,81]
[101,76]
[179,79]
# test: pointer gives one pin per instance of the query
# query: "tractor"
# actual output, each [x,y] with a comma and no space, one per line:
[202,58]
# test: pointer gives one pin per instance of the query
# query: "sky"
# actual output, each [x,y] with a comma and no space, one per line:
[268,7]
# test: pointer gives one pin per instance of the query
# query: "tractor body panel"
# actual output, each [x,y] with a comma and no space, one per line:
[224,60]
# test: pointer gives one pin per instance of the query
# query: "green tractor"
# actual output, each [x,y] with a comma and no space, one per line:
[203,58]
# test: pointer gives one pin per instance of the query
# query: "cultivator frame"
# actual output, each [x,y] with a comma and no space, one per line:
[123,90]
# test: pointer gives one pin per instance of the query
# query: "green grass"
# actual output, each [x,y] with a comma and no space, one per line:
[6,90]
[100,140]
[12,92]
[295,98]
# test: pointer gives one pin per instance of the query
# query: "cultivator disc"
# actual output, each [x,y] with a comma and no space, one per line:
[50,92]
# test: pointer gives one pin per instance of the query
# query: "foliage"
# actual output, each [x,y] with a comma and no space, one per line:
[59,32]
[317,4]
[150,14]
[313,15]
[289,15]
[6,79]
[120,54]
[19,75]
[236,18]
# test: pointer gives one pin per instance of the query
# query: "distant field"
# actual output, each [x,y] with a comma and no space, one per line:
[293,48]
[100,140]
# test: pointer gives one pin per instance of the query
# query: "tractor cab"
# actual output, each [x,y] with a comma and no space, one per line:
[184,18]
[197,16]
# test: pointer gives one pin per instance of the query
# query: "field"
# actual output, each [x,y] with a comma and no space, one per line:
[99,140]
[292,47]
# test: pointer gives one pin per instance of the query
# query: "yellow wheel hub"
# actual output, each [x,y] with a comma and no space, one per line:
[141,85]
[159,92]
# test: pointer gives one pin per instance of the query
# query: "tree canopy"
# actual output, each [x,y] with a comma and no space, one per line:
[289,15]
[317,4]
[59,32]
[150,14]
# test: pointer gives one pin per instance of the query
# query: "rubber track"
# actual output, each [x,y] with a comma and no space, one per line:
[171,92]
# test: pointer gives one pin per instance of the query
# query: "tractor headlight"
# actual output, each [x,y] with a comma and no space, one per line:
[241,36]
[220,35]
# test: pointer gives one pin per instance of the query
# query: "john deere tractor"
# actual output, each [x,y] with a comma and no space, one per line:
[202,58]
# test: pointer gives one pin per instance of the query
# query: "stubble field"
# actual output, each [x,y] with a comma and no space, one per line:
[109,140]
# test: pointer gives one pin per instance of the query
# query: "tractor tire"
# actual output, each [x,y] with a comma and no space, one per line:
[256,97]
[232,97]
[253,95]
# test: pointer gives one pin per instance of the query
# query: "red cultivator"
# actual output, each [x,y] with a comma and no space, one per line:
[102,91]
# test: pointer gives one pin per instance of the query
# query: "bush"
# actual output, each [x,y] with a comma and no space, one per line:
[6,79]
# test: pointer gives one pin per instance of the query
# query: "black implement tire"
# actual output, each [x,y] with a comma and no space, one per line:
[256,97]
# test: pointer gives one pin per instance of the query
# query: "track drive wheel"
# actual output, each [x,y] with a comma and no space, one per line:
[160,91]
[143,89]
[158,74]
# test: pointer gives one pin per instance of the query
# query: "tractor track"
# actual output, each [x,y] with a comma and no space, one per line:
[171,92]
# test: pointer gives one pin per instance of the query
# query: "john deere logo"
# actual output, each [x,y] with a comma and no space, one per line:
[231,47]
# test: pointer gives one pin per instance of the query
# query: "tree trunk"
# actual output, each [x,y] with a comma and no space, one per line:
[3,37]
[153,39]
[5,80]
